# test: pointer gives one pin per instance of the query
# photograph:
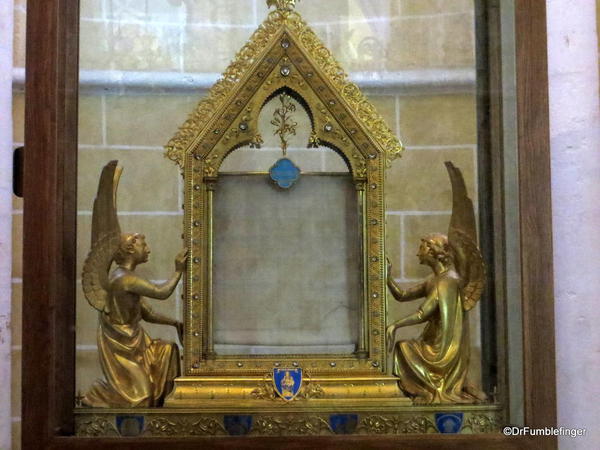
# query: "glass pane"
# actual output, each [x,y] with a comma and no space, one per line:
[287,280]
[286,271]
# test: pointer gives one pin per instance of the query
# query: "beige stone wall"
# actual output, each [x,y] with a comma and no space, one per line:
[17,245]
[201,36]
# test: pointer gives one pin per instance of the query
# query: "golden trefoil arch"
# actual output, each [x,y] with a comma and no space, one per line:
[283,54]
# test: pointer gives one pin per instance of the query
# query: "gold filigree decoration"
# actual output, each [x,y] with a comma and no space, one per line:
[204,426]
[282,119]
[286,71]
[361,171]
[481,423]
[242,126]
[257,141]
[417,424]
[162,426]
[286,425]
[379,424]
[209,168]
[265,391]
[329,127]
[96,426]
[313,140]
[311,390]
[222,91]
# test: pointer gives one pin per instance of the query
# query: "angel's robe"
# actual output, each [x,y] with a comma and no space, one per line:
[139,370]
[434,366]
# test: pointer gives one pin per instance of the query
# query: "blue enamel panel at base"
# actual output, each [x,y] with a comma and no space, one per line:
[285,173]
[449,422]
[130,425]
[237,425]
[343,423]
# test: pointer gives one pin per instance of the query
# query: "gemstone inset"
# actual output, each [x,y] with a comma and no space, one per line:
[285,70]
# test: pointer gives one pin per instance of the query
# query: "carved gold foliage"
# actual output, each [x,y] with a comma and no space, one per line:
[311,390]
[223,90]
[257,141]
[378,424]
[481,423]
[161,426]
[287,73]
[209,166]
[241,128]
[361,165]
[417,424]
[204,426]
[313,141]
[327,119]
[286,425]
[265,391]
[96,426]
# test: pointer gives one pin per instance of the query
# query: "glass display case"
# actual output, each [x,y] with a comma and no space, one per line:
[352,206]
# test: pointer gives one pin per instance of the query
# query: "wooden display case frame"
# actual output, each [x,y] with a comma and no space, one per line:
[50,246]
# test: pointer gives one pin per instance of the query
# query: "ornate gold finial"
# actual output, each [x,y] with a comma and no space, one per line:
[282,5]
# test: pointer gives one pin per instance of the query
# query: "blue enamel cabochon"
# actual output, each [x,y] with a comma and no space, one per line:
[237,425]
[285,173]
[343,423]
[130,425]
[449,422]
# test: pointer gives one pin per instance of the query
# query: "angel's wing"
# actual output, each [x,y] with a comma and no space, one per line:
[104,217]
[106,234]
[462,237]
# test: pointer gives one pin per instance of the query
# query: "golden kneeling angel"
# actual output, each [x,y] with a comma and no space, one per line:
[433,368]
[138,370]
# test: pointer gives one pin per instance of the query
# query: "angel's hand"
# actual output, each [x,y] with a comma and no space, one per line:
[179,327]
[180,260]
[391,337]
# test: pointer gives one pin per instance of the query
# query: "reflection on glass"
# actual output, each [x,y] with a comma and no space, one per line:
[145,64]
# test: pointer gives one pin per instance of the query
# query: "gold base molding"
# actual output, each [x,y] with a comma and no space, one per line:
[286,420]
[254,393]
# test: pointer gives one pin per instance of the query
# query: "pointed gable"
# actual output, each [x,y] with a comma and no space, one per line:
[284,53]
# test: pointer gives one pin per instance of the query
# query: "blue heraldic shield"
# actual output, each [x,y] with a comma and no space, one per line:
[287,382]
